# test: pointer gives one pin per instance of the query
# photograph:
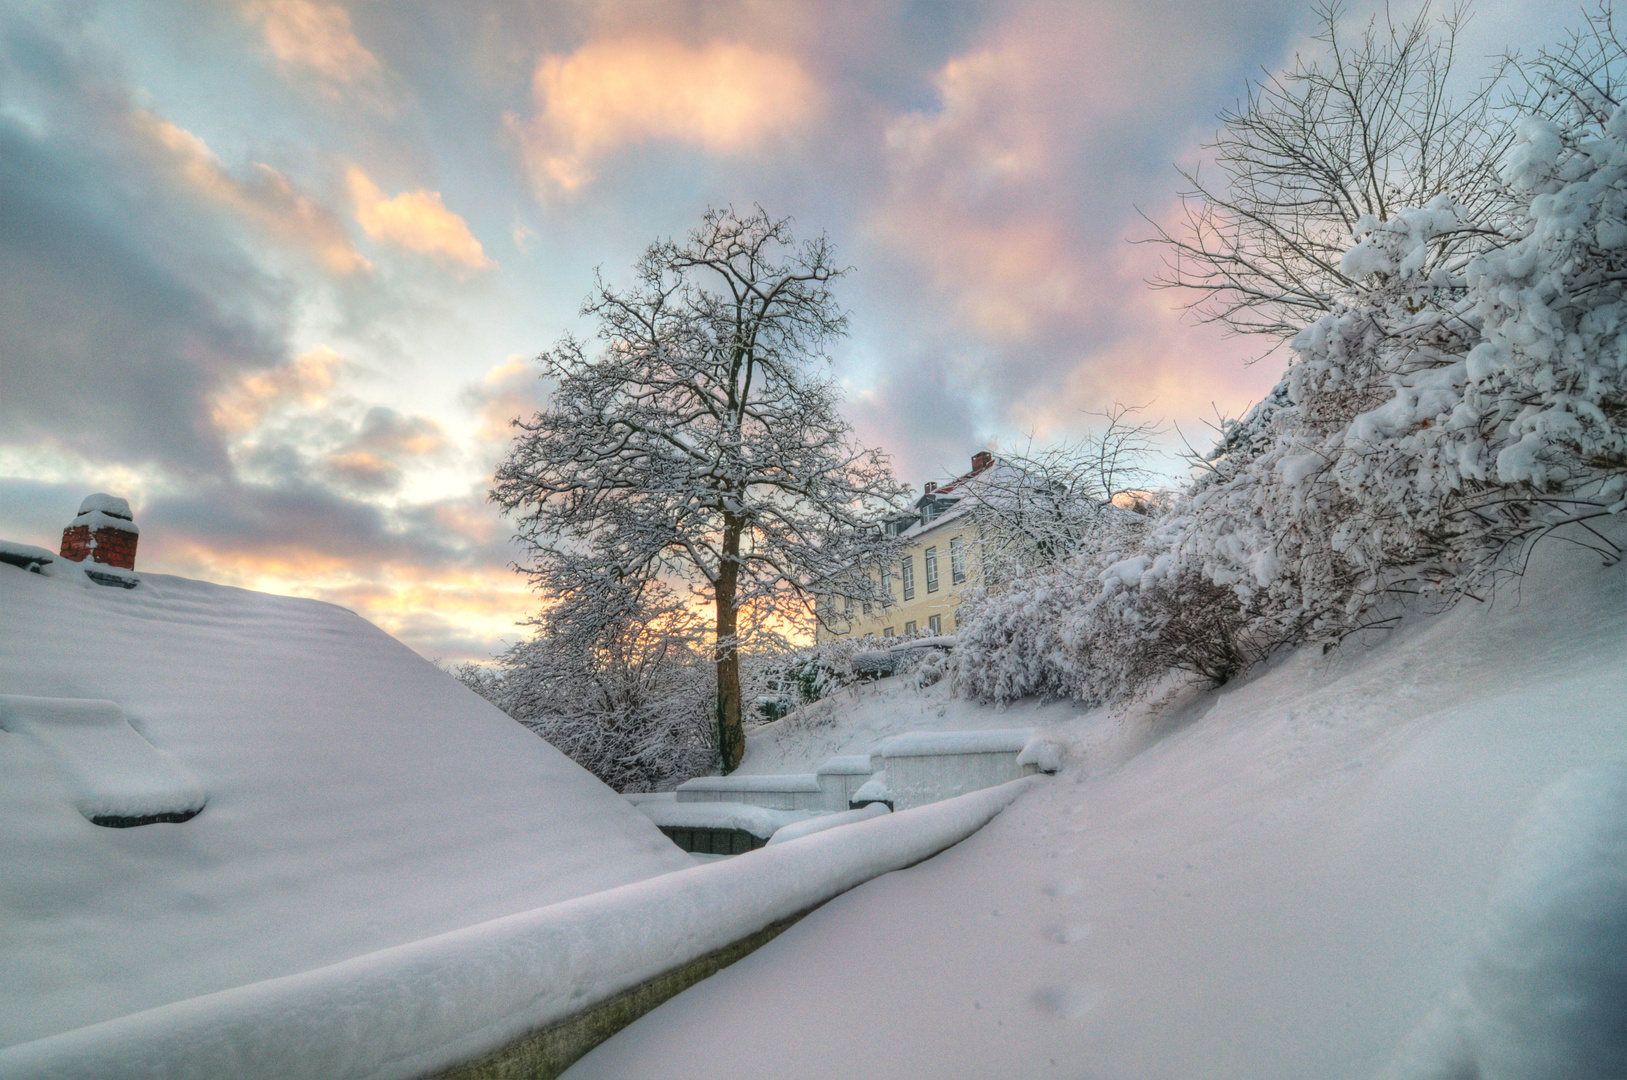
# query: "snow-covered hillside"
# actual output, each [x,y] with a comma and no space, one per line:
[1280,879]
[357,798]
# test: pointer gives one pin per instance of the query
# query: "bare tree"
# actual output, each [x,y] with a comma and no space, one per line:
[1042,505]
[701,442]
[1313,157]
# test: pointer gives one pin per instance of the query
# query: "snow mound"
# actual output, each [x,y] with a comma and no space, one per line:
[116,777]
[1545,997]
[828,821]
[103,503]
[359,798]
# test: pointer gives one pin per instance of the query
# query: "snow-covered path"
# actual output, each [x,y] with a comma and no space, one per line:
[1279,887]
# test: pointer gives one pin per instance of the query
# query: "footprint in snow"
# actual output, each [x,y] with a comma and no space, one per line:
[1070,1001]
[1068,933]
[1064,887]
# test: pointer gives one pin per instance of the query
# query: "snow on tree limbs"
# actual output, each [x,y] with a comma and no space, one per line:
[698,441]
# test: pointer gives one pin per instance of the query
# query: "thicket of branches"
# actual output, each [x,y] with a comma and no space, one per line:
[628,696]
[1458,388]
[1040,506]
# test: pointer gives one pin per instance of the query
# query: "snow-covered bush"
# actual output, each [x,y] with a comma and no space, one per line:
[1466,402]
[802,675]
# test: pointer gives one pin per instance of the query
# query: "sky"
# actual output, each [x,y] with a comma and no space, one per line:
[277,271]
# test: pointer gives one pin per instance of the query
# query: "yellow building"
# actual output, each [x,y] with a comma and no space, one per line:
[942,559]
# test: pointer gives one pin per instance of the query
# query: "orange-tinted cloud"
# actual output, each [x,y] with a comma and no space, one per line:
[305,381]
[509,390]
[724,97]
[415,220]
[314,39]
[267,200]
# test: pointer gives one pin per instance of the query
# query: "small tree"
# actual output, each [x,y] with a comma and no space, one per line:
[700,441]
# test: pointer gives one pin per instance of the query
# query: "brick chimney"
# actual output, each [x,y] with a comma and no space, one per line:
[930,486]
[104,531]
[981,460]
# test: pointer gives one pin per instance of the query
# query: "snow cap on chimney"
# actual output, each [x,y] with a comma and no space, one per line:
[104,530]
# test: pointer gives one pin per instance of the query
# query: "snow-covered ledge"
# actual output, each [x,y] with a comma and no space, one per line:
[460,999]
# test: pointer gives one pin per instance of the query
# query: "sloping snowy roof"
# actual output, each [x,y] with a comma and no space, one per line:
[357,798]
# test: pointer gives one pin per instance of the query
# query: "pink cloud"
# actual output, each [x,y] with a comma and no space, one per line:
[724,97]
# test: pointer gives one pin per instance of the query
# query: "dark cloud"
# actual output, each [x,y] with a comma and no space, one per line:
[311,521]
[124,310]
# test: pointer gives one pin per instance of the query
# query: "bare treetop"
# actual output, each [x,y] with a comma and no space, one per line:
[1312,157]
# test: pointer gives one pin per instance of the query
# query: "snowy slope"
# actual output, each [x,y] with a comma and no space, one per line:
[358,798]
[1277,880]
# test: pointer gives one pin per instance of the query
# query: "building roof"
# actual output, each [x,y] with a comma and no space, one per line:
[354,797]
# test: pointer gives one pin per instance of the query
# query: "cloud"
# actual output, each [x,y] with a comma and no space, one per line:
[375,460]
[306,380]
[415,220]
[724,97]
[1008,201]
[267,200]
[123,317]
[314,40]
[511,390]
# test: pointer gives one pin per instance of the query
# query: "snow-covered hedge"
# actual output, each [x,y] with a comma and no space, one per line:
[1425,436]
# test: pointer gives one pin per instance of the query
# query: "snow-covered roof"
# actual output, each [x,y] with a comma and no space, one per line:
[356,798]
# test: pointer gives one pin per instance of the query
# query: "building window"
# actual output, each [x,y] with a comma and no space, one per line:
[888,632]
[931,569]
[934,623]
[887,580]
[957,560]
[906,570]
[847,608]
[909,627]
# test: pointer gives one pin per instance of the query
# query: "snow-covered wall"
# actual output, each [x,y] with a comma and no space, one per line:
[420,1008]
[924,767]
[797,791]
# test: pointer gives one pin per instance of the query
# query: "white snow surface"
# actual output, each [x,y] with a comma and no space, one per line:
[827,821]
[949,743]
[757,820]
[1282,879]
[418,1008]
[103,503]
[97,519]
[803,782]
[359,798]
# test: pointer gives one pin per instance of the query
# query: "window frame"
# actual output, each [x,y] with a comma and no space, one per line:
[906,572]
[929,560]
[957,560]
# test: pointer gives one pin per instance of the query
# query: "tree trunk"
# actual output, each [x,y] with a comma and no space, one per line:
[731,735]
